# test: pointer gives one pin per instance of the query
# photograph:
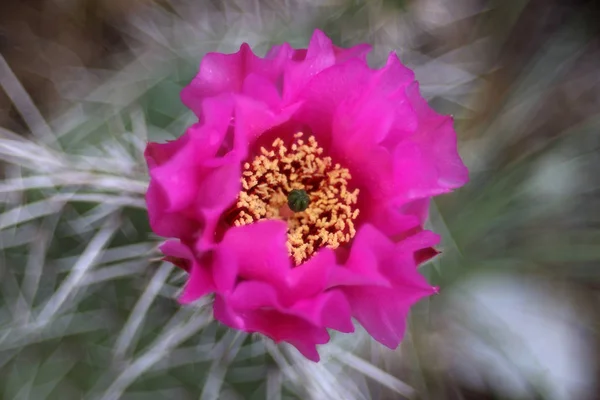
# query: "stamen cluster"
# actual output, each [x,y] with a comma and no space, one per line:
[276,172]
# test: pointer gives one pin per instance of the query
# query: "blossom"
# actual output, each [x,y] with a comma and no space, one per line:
[298,198]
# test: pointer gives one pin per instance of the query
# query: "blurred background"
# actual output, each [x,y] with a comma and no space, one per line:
[88,312]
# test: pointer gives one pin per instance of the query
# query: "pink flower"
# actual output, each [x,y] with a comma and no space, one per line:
[299,197]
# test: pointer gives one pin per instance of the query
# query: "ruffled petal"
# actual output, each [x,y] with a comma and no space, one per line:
[200,280]
[199,284]
[402,270]
[253,118]
[326,310]
[158,153]
[359,51]
[311,277]
[378,106]
[363,265]
[305,65]
[177,253]
[162,222]
[324,92]
[382,310]
[220,184]
[262,89]
[392,221]
[255,307]
[254,252]
[225,73]
[194,178]
[330,309]
[427,162]
[294,330]
[178,176]
[224,313]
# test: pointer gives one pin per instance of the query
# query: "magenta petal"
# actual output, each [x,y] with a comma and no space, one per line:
[319,56]
[402,269]
[431,152]
[260,88]
[225,74]
[362,121]
[205,238]
[322,95]
[342,276]
[415,176]
[217,113]
[366,116]
[426,166]
[220,185]
[330,310]
[162,222]
[219,73]
[418,208]
[359,51]
[453,172]
[307,348]
[224,313]
[180,175]
[257,251]
[251,295]
[256,307]
[158,153]
[363,267]
[189,176]
[200,281]
[255,117]
[174,248]
[281,327]
[394,78]
[426,254]
[421,240]
[225,270]
[281,53]
[382,312]
[391,220]
[312,276]
[179,182]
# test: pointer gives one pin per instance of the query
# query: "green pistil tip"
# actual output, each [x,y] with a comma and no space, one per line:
[298,200]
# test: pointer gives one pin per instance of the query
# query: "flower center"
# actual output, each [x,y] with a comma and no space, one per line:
[303,188]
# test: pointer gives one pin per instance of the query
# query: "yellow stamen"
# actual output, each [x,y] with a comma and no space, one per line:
[273,174]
